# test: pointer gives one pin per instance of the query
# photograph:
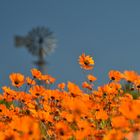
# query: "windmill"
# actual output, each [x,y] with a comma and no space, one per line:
[40,42]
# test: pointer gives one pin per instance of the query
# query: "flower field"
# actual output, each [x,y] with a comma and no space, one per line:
[70,112]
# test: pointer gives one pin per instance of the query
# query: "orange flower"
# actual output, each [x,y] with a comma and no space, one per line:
[130,76]
[91,78]
[137,83]
[61,86]
[114,135]
[115,75]
[87,85]
[74,89]
[36,73]
[17,79]
[116,86]
[30,81]
[120,122]
[9,134]
[101,114]
[8,95]
[130,109]
[48,79]
[67,116]
[44,116]
[62,131]
[109,89]
[86,62]
[36,91]
[28,126]
[84,130]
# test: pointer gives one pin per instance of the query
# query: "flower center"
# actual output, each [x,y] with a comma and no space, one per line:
[16,82]
[86,62]
[112,78]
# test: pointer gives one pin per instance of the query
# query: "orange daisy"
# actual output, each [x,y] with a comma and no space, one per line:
[101,114]
[130,76]
[87,85]
[86,62]
[17,79]
[120,122]
[36,73]
[61,86]
[30,81]
[115,75]
[91,78]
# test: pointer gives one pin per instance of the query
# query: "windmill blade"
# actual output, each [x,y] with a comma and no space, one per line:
[19,41]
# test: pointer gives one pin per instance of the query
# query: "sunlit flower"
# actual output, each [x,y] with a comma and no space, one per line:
[120,122]
[130,76]
[137,83]
[91,78]
[61,86]
[87,85]
[115,75]
[30,81]
[36,91]
[74,89]
[86,62]
[114,135]
[101,115]
[62,130]
[36,73]
[17,79]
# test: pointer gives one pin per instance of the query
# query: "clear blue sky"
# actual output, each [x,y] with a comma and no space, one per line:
[109,30]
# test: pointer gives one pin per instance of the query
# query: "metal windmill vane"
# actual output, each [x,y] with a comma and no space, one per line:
[40,41]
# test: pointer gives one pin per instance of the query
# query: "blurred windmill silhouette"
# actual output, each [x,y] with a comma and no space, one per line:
[40,42]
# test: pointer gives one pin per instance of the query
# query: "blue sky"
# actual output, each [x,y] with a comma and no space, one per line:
[108,30]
